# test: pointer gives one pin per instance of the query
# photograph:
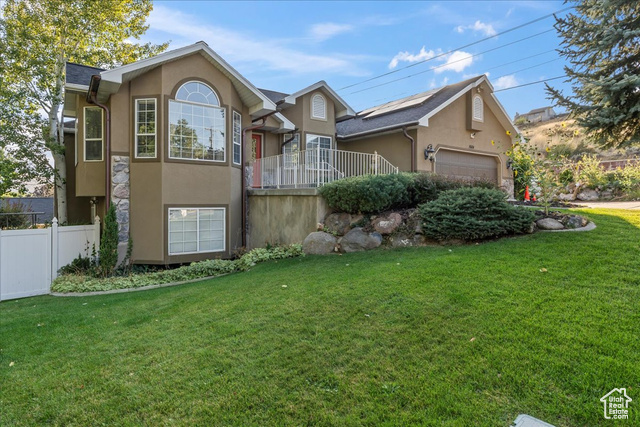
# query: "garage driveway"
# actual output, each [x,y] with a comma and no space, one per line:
[609,205]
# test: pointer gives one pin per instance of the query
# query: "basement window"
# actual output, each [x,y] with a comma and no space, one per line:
[196,230]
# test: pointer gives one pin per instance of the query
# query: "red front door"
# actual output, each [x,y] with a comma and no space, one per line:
[256,155]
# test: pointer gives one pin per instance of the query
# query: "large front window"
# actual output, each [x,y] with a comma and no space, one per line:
[318,151]
[193,230]
[197,126]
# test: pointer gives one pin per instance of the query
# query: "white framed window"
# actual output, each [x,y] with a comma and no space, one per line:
[93,134]
[237,138]
[196,230]
[318,149]
[145,128]
[318,107]
[478,108]
[197,124]
[290,150]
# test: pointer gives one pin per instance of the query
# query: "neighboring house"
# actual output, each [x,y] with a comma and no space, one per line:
[167,139]
[537,115]
[460,130]
[42,206]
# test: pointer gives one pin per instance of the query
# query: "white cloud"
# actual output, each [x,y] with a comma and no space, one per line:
[326,30]
[505,82]
[478,26]
[408,57]
[457,62]
[238,47]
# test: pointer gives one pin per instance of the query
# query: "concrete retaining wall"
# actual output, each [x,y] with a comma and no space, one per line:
[283,216]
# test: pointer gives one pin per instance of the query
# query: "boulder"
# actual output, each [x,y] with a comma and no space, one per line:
[573,221]
[358,240]
[568,197]
[588,194]
[319,243]
[549,224]
[401,240]
[607,194]
[387,224]
[339,223]
[356,220]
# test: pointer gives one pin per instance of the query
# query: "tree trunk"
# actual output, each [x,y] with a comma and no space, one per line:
[56,138]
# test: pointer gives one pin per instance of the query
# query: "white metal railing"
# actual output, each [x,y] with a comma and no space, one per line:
[315,167]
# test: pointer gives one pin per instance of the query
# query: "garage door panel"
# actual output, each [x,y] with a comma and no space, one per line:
[467,166]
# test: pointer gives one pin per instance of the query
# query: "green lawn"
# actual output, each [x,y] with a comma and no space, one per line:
[455,336]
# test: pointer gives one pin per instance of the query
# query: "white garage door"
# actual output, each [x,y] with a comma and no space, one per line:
[467,166]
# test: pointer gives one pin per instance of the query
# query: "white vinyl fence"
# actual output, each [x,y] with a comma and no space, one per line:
[30,259]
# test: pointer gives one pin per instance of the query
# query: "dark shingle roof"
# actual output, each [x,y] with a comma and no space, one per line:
[81,74]
[273,95]
[411,115]
[35,204]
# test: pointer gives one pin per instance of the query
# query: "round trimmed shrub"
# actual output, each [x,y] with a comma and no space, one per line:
[473,214]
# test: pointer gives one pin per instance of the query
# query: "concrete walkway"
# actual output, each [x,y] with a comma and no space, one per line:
[609,205]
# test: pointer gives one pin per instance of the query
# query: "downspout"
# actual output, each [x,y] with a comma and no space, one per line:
[413,148]
[242,161]
[92,99]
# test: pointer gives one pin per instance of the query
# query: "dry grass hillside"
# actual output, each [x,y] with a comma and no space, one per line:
[565,136]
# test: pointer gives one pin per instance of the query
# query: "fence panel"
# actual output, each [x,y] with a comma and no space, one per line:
[73,241]
[25,263]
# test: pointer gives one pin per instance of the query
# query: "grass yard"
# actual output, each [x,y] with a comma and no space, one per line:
[453,336]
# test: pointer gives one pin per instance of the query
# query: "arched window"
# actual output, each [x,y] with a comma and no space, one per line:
[318,107]
[478,108]
[197,125]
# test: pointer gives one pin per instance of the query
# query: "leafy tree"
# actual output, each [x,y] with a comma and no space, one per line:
[601,40]
[39,36]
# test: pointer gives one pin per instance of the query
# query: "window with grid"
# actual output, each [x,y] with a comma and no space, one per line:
[197,125]
[193,230]
[93,131]
[290,150]
[237,138]
[318,107]
[145,128]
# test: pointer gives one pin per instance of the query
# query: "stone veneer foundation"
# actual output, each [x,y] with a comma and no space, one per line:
[120,191]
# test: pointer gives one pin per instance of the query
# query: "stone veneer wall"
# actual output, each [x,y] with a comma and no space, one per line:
[120,191]
[509,188]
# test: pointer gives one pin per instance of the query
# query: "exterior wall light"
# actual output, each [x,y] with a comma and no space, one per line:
[428,153]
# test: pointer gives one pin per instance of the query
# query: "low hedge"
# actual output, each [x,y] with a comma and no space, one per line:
[376,193]
[473,214]
[196,270]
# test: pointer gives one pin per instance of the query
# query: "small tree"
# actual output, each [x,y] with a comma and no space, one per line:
[109,244]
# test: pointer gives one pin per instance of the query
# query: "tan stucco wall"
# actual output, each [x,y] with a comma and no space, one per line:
[394,147]
[448,129]
[283,216]
[78,208]
[90,176]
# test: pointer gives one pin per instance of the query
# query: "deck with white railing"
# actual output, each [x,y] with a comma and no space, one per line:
[314,168]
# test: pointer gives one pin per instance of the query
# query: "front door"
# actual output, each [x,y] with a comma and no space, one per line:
[256,154]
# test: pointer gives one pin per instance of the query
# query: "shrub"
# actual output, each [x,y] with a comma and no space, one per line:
[80,265]
[195,270]
[368,193]
[109,244]
[591,173]
[473,214]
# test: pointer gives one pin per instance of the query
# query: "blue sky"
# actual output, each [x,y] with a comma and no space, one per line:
[286,46]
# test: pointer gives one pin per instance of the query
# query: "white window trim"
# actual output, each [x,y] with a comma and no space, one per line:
[219,104]
[155,127]
[84,135]
[75,139]
[233,137]
[310,151]
[477,117]
[224,159]
[224,230]
[324,104]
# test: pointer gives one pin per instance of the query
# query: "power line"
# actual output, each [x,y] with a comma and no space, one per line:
[528,68]
[529,84]
[520,60]
[458,48]
[449,63]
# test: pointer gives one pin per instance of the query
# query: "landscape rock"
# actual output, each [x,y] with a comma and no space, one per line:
[549,224]
[573,221]
[319,243]
[358,240]
[607,194]
[339,223]
[387,224]
[569,197]
[401,241]
[588,195]
[356,220]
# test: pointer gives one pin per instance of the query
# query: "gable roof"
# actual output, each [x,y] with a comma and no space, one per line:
[368,121]
[258,103]
[273,95]
[343,110]
[365,122]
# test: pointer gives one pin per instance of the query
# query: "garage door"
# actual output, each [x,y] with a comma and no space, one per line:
[467,166]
